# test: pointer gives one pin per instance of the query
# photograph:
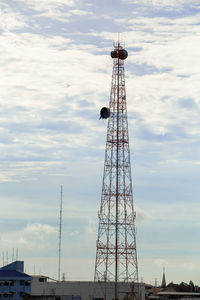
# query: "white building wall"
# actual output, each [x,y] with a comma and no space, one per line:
[86,289]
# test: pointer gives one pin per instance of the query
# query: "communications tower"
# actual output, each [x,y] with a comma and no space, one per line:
[116,256]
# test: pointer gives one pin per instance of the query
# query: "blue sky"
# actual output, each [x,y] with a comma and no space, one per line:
[55,76]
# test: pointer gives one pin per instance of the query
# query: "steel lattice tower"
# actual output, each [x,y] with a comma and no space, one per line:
[116,256]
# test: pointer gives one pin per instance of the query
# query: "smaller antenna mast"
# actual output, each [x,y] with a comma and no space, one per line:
[60,232]
[17,254]
[13,253]
[3,258]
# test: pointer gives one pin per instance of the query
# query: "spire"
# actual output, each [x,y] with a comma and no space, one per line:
[163,279]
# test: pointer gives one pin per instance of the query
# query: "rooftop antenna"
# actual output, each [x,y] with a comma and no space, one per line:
[156,282]
[60,232]
[13,254]
[16,254]
[3,258]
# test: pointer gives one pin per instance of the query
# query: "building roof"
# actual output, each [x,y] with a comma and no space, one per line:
[179,293]
[8,274]
[17,265]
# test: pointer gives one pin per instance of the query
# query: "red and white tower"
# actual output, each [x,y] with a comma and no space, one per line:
[116,256]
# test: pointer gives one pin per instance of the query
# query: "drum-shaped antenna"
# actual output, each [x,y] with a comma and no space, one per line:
[121,54]
[104,113]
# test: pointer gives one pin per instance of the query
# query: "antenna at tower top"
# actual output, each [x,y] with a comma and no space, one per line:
[60,232]
[120,40]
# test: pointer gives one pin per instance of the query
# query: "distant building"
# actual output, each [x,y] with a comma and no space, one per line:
[151,292]
[182,291]
[14,283]
[178,296]
[44,289]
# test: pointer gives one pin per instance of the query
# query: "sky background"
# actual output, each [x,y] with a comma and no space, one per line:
[55,71]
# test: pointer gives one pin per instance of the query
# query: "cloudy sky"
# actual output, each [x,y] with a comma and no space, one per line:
[55,75]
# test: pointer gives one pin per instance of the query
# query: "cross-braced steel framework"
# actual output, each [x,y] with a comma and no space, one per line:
[116,256]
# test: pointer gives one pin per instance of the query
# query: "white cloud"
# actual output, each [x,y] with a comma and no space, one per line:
[40,81]
[168,72]
[166,3]
[176,270]
[90,229]
[43,266]
[9,19]
[188,265]
[79,12]
[32,237]
[64,16]
[57,9]
[142,216]
[49,4]
[172,212]
[160,262]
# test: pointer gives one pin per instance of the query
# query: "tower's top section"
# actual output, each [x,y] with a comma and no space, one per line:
[119,52]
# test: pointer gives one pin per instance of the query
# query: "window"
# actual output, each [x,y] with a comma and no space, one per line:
[41,279]
[12,282]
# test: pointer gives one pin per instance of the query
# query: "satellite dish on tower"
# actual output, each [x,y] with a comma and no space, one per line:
[104,113]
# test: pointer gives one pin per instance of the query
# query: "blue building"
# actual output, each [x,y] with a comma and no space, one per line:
[14,283]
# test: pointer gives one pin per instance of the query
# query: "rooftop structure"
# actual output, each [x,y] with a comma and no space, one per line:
[14,283]
[45,288]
